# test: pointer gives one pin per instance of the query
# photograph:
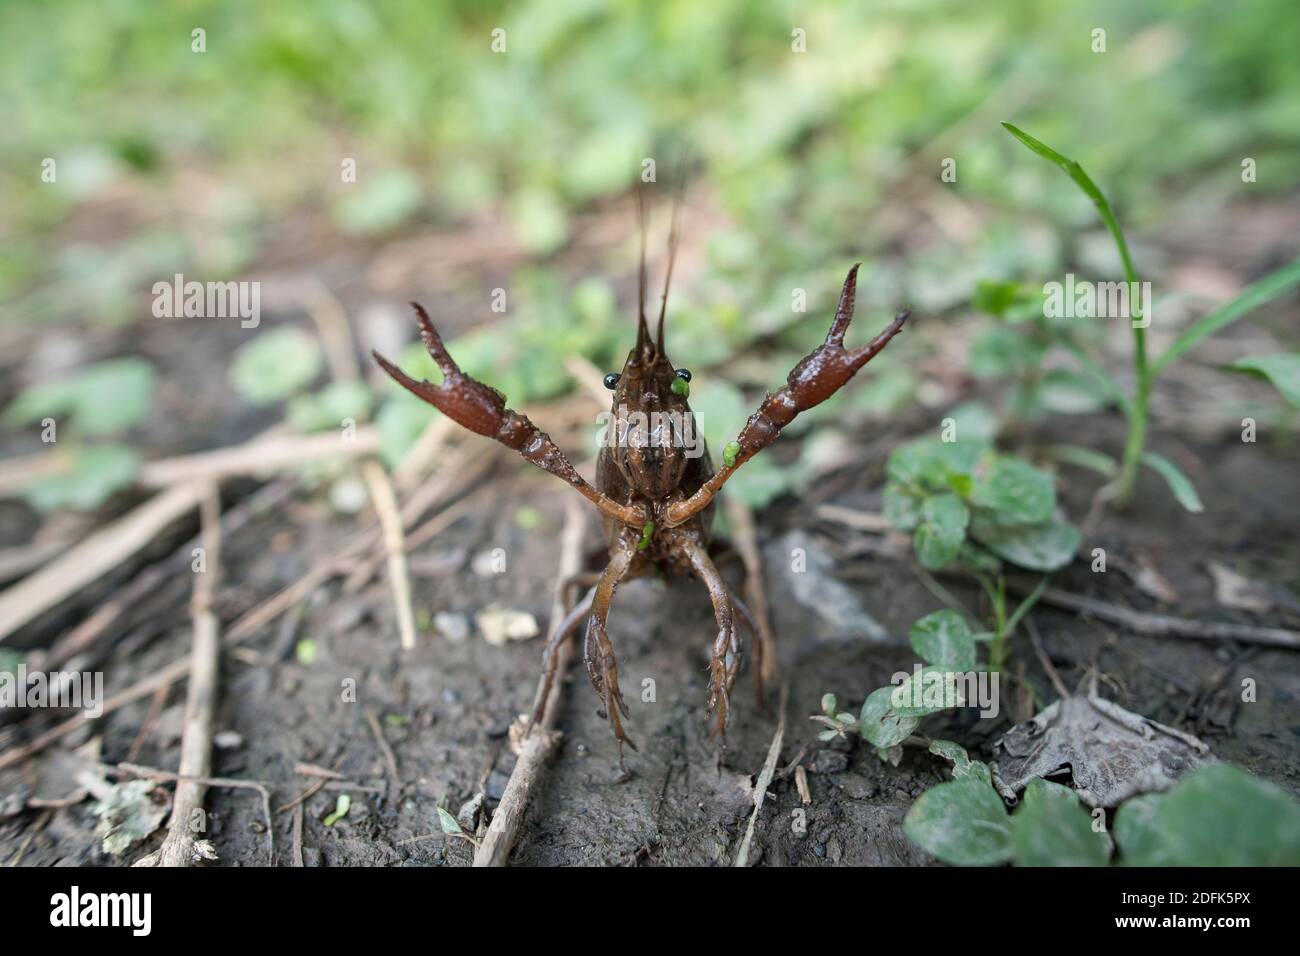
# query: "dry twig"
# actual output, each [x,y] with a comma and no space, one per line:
[384,499]
[201,701]
[538,745]
[764,778]
[1162,625]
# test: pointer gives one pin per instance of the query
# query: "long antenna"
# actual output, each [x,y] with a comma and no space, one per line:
[673,238]
[643,330]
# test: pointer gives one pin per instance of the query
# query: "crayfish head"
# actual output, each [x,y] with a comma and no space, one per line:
[653,429]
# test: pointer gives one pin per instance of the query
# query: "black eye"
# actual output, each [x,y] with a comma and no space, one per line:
[684,374]
[611,381]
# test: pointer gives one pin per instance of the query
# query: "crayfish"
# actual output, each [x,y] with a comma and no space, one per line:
[655,489]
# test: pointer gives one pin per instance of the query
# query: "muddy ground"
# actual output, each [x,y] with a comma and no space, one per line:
[446,709]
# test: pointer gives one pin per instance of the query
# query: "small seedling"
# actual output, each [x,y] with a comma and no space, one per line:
[969,506]
[1136,407]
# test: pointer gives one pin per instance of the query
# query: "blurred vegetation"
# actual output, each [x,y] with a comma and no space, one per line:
[799,152]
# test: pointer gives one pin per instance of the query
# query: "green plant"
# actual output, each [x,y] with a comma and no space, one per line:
[891,714]
[970,506]
[89,469]
[1136,406]
[1218,815]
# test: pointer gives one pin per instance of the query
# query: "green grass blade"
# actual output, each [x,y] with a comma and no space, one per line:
[1266,289]
[1089,188]
[1178,482]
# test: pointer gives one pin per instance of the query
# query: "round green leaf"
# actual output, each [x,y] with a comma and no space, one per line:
[1015,491]
[1038,547]
[942,530]
[1137,831]
[1051,828]
[878,723]
[100,399]
[944,639]
[96,473]
[925,692]
[1218,816]
[275,365]
[901,509]
[963,823]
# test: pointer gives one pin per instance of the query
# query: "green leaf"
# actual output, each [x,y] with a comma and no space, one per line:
[829,703]
[962,765]
[1178,482]
[1015,491]
[1261,292]
[976,558]
[901,508]
[1089,189]
[944,639]
[878,723]
[1036,547]
[1064,392]
[1282,369]
[448,823]
[96,473]
[539,220]
[974,421]
[401,421]
[1002,350]
[1137,831]
[995,297]
[275,365]
[329,407]
[942,530]
[963,823]
[1217,816]
[341,807]
[1102,464]
[1051,828]
[931,464]
[100,399]
[379,202]
[927,691]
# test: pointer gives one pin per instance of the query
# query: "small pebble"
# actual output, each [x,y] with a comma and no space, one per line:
[453,627]
[829,761]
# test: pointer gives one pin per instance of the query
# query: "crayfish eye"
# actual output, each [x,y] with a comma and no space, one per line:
[684,374]
[611,381]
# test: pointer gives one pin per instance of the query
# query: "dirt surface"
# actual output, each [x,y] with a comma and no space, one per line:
[445,710]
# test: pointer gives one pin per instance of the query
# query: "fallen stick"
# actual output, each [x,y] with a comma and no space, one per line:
[94,557]
[200,702]
[333,329]
[745,537]
[82,637]
[764,778]
[1162,625]
[390,759]
[867,521]
[228,783]
[384,500]
[259,456]
[538,746]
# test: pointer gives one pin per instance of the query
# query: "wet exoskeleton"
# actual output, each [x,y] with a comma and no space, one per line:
[654,488]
